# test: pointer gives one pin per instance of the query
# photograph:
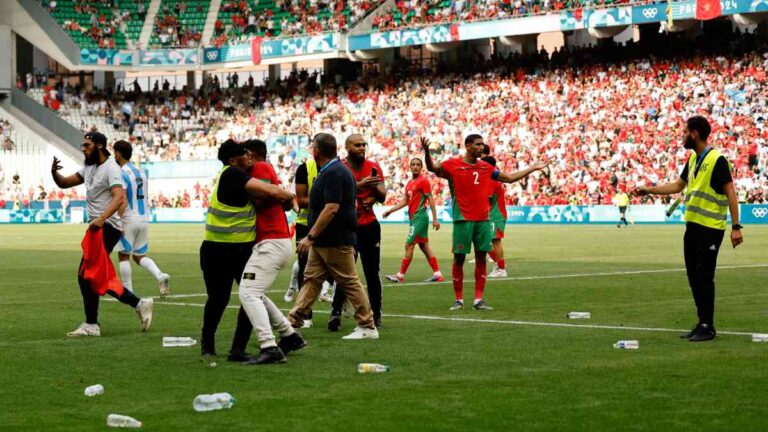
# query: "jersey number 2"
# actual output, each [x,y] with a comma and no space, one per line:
[477,177]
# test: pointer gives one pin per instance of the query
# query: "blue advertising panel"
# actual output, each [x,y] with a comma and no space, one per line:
[108,57]
[181,56]
[271,48]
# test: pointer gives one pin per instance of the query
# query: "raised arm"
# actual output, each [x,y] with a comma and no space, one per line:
[61,181]
[519,175]
[431,165]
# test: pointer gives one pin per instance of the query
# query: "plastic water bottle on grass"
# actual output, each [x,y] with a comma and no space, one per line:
[178,342]
[121,421]
[627,344]
[213,402]
[94,390]
[365,368]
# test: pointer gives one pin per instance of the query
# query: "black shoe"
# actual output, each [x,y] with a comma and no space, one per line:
[688,335]
[704,333]
[271,355]
[334,324]
[377,323]
[238,356]
[291,343]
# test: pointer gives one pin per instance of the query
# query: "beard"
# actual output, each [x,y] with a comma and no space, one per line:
[93,159]
[689,143]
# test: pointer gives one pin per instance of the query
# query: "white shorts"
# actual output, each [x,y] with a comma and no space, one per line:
[135,239]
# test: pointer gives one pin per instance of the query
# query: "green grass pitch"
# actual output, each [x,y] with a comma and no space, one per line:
[493,370]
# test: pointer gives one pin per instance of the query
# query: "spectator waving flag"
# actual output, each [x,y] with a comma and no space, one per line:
[708,9]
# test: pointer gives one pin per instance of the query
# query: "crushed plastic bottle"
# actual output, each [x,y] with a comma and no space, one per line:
[627,344]
[212,402]
[579,315]
[365,368]
[178,342]
[94,390]
[122,421]
[759,337]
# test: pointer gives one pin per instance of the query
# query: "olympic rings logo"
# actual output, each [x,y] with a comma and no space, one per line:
[212,55]
[759,212]
[650,12]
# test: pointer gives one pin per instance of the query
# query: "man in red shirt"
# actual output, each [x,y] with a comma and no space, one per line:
[470,181]
[270,254]
[498,218]
[418,194]
[370,190]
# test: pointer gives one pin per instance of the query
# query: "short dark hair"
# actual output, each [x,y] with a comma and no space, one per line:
[124,148]
[326,144]
[486,149]
[700,125]
[489,159]
[257,146]
[418,160]
[471,138]
[229,149]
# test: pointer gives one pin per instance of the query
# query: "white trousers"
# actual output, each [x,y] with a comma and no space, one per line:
[266,261]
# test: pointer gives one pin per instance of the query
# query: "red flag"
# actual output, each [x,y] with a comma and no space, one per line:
[97,268]
[708,9]
[578,14]
[256,50]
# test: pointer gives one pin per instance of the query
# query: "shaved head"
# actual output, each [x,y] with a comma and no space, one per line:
[352,139]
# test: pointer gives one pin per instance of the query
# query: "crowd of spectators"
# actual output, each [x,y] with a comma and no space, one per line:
[98,21]
[173,31]
[612,117]
[287,18]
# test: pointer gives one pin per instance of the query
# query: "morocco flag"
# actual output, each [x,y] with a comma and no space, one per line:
[256,49]
[708,9]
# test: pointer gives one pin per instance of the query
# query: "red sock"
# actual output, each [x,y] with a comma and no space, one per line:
[404,266]
[502,264]
[480,269]
[433,264]
[458,282]
[492,254]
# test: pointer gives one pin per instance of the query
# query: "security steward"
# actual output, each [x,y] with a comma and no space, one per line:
[230,233]
[710,194]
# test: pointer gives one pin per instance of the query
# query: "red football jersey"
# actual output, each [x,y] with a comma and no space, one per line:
[498,201]
[417,191]
[365,216]
[270,219]
[471,185]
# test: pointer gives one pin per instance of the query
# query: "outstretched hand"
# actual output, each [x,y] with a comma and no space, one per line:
[424,142]
[540,165]
[640,191]
[56,165]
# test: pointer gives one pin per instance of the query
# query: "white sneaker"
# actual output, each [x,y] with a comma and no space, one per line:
[290,295]
[495,268]
[307,324]
[362,333]
[498,273]
[165,288]
[326,294]
[86,330]
[144,311]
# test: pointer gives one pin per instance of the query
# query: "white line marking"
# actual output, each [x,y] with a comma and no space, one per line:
[510,322]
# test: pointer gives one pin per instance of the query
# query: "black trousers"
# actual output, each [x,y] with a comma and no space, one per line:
[222,264]
[369,251]
[700,247]
[111,236]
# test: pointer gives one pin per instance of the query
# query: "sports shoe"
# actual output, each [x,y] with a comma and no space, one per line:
[377,323]
[494,268]
[165,288]
[437,277]
[238,356]
[86,329]
[704,333]
[334,324]
[326,293]
[457,305]
[307,324]
[348,310]
[210,359]
[362,333]
[144,311]
[396,278]
[498,273]
[291,343]
[482,305]
[271,355]
[689,334]
[290,295]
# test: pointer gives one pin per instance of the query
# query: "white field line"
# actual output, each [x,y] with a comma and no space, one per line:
[509,322]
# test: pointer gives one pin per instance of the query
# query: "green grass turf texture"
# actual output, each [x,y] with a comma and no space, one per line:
[446,375]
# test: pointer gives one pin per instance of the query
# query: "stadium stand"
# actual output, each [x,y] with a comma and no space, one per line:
[179,23]
[97,24]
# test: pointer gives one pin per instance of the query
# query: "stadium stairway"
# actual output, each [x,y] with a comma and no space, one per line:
[365,24]
[210,21]
[149,23]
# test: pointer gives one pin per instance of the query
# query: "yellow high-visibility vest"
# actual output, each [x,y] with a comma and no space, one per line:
[703,205]
[301,218]
[229,224]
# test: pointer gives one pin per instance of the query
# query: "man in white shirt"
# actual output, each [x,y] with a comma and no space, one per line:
[104,196]
[135,217]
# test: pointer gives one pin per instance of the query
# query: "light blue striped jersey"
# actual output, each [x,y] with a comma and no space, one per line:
[136,185]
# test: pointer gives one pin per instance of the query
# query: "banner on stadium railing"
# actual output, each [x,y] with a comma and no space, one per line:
[591,18]
[180,56]
[751,214]
[271,48]
[107,57]
[405,37]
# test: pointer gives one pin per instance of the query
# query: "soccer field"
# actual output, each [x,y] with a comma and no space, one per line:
[522,366]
